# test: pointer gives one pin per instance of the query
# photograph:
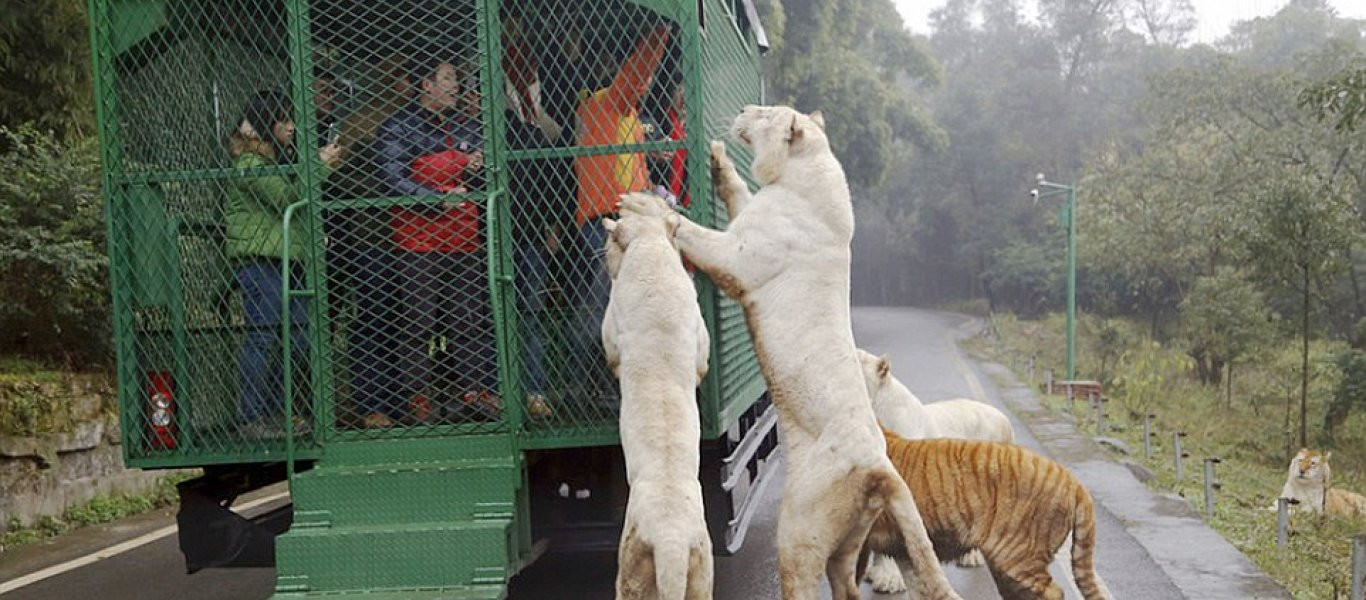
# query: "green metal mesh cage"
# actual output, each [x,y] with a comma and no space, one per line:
[447,164]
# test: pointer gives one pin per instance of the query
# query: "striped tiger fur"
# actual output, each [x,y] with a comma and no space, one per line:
[1016,506]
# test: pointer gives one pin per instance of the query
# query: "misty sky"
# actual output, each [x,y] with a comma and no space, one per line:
[1215,15]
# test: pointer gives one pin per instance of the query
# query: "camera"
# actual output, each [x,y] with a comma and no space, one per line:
[1034,193]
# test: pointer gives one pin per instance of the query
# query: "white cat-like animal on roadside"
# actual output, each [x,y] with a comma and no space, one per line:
[785,258]
[657,345]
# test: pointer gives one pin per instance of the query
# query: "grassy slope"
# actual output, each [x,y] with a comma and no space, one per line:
[1248,434]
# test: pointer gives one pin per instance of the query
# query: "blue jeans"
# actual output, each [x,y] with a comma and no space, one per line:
[260,368]
[531,292]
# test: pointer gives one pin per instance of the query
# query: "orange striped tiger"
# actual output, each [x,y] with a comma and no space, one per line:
[1016,506]
[1310,480]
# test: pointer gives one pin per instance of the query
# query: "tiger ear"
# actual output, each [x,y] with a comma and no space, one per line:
[884,367]
[818,119]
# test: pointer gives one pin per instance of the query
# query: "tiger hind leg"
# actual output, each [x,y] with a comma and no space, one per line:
[1026,582]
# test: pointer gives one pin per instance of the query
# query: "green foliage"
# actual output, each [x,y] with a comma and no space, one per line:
[1342,98]
[50,402]
[1224,318]
[1026,278]
[52,261]
[1302,230]
[1146,374]
[1350,393]
[855,61]
[45,75]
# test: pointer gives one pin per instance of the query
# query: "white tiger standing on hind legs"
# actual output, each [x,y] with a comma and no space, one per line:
[785,258]
[656,343]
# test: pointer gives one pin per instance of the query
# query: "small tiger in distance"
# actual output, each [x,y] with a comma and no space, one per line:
[1014,505]
[1310,481]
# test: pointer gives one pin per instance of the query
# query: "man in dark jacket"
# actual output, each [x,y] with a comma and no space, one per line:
[433,149]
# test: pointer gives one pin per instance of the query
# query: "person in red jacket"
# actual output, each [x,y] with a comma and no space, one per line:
[433,148]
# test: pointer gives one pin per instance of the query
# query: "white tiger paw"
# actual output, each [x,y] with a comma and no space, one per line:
[643,204]
[972,559]
[885,576]
[718,155]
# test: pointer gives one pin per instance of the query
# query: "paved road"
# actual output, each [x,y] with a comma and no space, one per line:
[1150,547]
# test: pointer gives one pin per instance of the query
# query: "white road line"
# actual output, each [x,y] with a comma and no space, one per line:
[116,549]
[978,393]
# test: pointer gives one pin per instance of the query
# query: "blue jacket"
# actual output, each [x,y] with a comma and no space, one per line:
[414,131]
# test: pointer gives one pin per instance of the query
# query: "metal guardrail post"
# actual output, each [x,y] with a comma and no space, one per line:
[1100,415]
[1358,567]
[1177,454]
[1210,486]
[1282,522]
[1048,381]
[1148,436]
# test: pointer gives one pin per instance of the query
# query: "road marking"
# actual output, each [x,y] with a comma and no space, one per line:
[978,393]
[116,549]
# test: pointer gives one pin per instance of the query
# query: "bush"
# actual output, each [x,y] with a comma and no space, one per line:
[52,259]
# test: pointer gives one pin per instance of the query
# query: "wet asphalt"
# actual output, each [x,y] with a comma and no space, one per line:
[1149,546]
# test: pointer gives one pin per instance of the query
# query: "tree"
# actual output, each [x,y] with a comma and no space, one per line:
[1350,393]
[45,69]
[1164,22]
[1299,240]
[855,59]
[1225,318]
[1341,98]
[52,262]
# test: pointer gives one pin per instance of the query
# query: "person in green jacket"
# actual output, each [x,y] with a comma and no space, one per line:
[254,216]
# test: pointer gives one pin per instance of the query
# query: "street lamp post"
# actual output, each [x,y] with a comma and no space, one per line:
[1068,218]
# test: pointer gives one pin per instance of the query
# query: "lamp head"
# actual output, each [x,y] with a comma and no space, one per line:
[1039,178]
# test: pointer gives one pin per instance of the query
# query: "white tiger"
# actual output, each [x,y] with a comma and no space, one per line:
[657,344]
[785,257]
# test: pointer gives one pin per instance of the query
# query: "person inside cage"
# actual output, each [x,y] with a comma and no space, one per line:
[537,211]
[361,257]
[433,148]
[255,243]
[610,115]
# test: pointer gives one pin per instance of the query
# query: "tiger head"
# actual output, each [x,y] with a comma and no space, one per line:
[1310,467]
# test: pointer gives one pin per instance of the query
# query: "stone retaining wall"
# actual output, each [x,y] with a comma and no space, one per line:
[44,474]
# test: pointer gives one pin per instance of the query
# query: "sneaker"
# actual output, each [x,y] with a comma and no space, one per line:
[377,421]
[420,408]
[489,401]
[537,407]
[479,405]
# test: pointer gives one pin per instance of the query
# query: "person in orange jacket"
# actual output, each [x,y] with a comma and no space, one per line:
[611,116]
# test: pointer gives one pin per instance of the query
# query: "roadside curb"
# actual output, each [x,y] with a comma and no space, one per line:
[1199,561]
